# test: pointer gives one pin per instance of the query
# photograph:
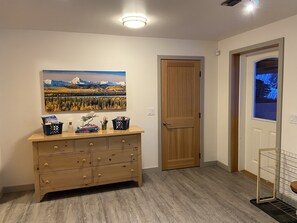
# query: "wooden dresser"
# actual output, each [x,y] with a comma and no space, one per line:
[71,160]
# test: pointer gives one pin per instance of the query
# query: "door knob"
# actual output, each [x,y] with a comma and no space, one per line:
[166,124]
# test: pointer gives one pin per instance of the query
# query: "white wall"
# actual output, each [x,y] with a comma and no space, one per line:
[1,130]
[284,28]
[1,180]
[25,53]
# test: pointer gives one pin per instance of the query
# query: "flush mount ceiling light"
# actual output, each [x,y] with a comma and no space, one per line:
[252,5]
[134,22]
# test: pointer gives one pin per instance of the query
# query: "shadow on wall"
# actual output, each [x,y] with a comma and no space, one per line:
[1,181]
[17,165]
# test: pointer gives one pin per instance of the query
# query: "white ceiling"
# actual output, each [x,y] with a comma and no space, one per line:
[181,19]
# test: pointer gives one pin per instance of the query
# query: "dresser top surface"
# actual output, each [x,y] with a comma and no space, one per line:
[40,137]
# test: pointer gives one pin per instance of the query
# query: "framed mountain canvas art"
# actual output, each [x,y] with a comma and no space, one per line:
[66,90]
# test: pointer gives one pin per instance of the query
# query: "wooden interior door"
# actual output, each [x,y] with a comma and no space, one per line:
[180,113]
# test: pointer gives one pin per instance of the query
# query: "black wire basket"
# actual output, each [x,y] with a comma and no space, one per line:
[53,129]
[121,123]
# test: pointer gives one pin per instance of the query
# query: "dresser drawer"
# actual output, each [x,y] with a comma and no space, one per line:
[55,147]
[123,142]
[85,145]
[66,178]
[64,162]
[114,156]
[115,172]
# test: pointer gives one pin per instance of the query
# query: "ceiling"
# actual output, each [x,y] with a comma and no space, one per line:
[181,19]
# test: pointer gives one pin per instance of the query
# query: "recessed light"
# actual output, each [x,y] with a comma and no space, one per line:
[134,22]
[252,5]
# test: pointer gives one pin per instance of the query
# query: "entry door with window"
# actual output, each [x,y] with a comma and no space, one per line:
[260,106]
[180,113]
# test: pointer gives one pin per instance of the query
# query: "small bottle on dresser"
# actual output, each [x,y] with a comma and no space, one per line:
[70,127]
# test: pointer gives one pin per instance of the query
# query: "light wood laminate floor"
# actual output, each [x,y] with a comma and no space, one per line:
[208,194]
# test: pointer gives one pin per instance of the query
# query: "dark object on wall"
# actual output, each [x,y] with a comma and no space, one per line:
[121,123]
[230,2]
[53,129]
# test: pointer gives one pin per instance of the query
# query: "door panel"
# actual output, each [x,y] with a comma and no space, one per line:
[181,143]
[272,139]
[180,92]
[260,108]
[255,144]
[180,113]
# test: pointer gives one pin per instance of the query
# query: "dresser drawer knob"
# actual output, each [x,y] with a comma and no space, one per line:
[83,160]
[45,164]
[91,144]
[99,158]
[56,147]
[132,170]
[131,154]
[123,140]
[99,174]
[85,177]
[47,181]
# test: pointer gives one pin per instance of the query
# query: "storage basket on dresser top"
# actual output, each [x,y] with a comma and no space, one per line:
[70,160]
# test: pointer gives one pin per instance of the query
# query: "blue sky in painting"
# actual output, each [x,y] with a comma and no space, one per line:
[94,76]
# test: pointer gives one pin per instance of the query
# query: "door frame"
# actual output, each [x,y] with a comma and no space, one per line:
[234,96]
[172,57]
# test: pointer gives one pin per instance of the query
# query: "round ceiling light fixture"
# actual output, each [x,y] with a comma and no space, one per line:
[252,5]
[134,22]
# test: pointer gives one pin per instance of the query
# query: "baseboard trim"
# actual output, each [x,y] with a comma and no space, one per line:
[18,188]
[151,170]
[223,166]
[208,163]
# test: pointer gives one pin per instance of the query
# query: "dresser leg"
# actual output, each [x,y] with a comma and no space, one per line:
[38,197]
[139,180]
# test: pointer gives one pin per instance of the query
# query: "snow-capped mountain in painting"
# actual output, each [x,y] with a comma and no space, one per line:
[79,81]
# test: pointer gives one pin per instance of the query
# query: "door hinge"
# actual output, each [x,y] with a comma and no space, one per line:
[199,155]
[199,115]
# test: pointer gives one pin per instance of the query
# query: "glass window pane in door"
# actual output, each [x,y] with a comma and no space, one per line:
[265,100]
